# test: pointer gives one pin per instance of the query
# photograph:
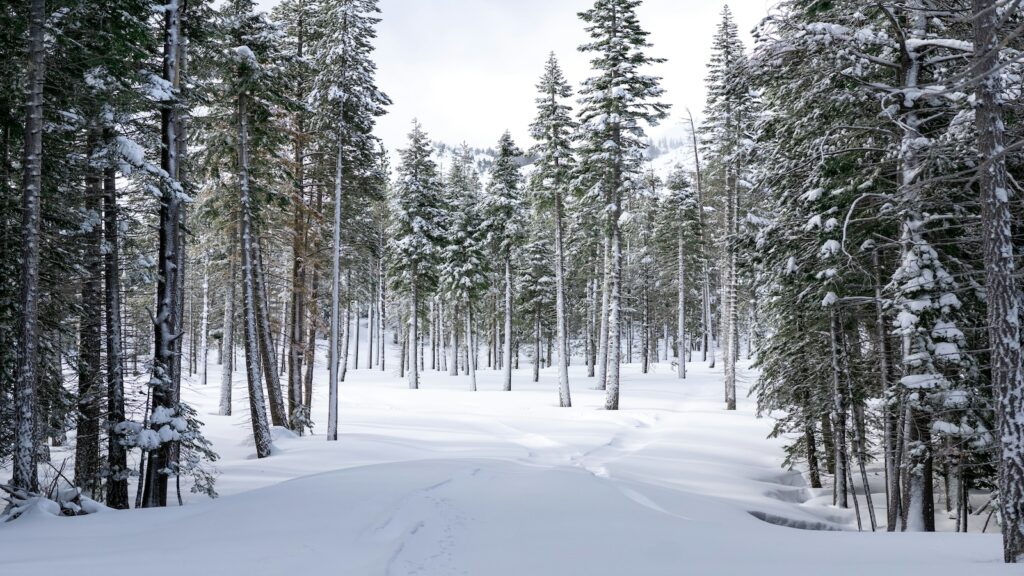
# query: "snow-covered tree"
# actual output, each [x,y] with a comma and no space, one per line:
[553,129]
[416,206]
[615,104]
[504,224]
[463,270]
[348,102]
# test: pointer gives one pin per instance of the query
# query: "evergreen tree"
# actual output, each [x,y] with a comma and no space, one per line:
[504,210]
[348,102]
[415,233]
[614,105]
[552,129]
[463,269]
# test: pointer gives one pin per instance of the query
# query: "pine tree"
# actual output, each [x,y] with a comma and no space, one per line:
[463,269]
[552,129]
[347,101]
[1002,297]
[614,105]
[504,211]
[25,473]
[723,134]
[414,233]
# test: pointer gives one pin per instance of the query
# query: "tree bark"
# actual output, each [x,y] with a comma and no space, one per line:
[117,457]
[228,338]
[165,339]
[507,351]
[90,340]
[250,254]
[1000,283]
[333,354]
[268,352]
[25,473]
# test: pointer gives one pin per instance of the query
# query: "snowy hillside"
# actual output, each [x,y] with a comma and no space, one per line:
[442,481]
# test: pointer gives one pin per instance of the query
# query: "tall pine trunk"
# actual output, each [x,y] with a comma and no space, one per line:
[1002,297]
[228,338]
[561,321]
[681,310]
[204,322]
[257,405]
[90,340]
[25,473]
[507,351]
[165,338]
[117,457]
[268,352]
[333,352]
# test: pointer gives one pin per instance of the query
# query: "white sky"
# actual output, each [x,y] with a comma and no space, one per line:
[467,69]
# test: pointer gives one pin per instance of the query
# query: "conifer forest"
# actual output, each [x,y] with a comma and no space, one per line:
[759,332]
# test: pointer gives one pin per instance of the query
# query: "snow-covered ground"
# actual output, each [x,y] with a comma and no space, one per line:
[443,481]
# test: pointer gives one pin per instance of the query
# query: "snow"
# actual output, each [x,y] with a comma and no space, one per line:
[443,480]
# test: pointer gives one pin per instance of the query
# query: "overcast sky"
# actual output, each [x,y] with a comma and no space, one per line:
[468,68]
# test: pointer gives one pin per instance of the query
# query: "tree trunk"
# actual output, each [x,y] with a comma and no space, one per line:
[413,336]
[454,367]
[602,345]
[228,338]
[681,309]
[470,347]
[561,320]
[117,457]
[507,351]
[25,473]
[268,352]
[90,340]
[1000,283]
[614,346]
[165,339]
[250,255]
[838,412]
[348,325]
[204,323]
[333,352]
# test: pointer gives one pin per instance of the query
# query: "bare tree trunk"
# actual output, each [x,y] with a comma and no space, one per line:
[250,306]
[413,336]
[204,323]
[730,289]
[602,345]
[359,313]
[454,367]
[381,313]
[708,349]
[561,319]
[25,473]
[536,344]
[590,345]
[348,324]
[1003,299]
[681,309]
[894,503]
[470,347]
[117,457]
[268,352]
[90,340]
[165,339]
[228,337]
[333,352]
[297,416]
[839,413]
[614,354]
[507,353]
